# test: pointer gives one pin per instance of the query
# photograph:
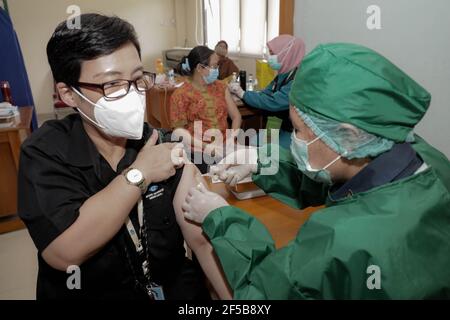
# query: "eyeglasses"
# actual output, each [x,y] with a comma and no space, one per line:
[208,67]
[116,89]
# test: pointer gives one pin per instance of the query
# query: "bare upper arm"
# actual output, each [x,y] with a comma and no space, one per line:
[232,108]
[57,255]
[52,257]
[193,233]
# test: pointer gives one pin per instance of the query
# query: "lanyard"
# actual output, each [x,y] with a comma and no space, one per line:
[132,232]
[154,291]
[284,82]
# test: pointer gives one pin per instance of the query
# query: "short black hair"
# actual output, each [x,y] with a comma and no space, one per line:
[198,55]
[98,36]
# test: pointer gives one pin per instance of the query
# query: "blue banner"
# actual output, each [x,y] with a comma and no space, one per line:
[12,66]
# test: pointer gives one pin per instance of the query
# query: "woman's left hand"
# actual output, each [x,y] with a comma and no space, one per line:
[200,202]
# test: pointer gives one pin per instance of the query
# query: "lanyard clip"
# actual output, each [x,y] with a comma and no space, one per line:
[145,268]
[139,247]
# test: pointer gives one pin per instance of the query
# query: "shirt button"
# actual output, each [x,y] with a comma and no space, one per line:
[166,220]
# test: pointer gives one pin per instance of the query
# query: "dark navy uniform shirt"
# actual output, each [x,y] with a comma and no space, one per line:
[60,168]
[400,162]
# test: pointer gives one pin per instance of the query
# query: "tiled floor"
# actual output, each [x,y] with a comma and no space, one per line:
[18,266]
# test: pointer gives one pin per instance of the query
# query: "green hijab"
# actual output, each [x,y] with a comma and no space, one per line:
[353,84]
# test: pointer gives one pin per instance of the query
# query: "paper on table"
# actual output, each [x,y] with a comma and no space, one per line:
[6,125]
[7,112]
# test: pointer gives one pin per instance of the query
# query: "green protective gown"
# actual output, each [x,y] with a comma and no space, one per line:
[402,228]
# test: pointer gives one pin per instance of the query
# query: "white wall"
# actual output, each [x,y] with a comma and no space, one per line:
[180,16]
[35,21]
[415,35]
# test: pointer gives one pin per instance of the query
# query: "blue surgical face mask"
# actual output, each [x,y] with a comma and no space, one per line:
[299,150]
[212,76]
[273,62]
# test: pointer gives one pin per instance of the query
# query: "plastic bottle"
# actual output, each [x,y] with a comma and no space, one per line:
[159,66]
[250,83]
[243,79]
[234,78]
[6,91]
[171,77]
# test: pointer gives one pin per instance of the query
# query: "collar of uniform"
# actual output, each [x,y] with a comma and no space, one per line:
[401,161]
[82,151]
[283,78]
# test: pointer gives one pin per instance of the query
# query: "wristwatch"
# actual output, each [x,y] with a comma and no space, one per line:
[135,177]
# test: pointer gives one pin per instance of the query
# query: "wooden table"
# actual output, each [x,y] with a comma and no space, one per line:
[282,221]
[10,140]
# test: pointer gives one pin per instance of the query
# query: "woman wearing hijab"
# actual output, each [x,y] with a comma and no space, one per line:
[286,54]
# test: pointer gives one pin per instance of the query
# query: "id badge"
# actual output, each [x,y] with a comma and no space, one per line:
[155,292]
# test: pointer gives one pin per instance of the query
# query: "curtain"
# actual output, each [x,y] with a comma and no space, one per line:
[12,66]
[245,24]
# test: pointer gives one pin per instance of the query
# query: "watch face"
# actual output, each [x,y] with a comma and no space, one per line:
[134,176]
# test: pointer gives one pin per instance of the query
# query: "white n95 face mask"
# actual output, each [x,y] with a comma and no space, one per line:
[121,118]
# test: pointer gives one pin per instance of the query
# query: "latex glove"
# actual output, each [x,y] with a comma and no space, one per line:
[200,202]
[236,166]
[233,175]
[235,88]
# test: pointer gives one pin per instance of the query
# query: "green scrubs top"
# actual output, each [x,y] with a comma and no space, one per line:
[398,232]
